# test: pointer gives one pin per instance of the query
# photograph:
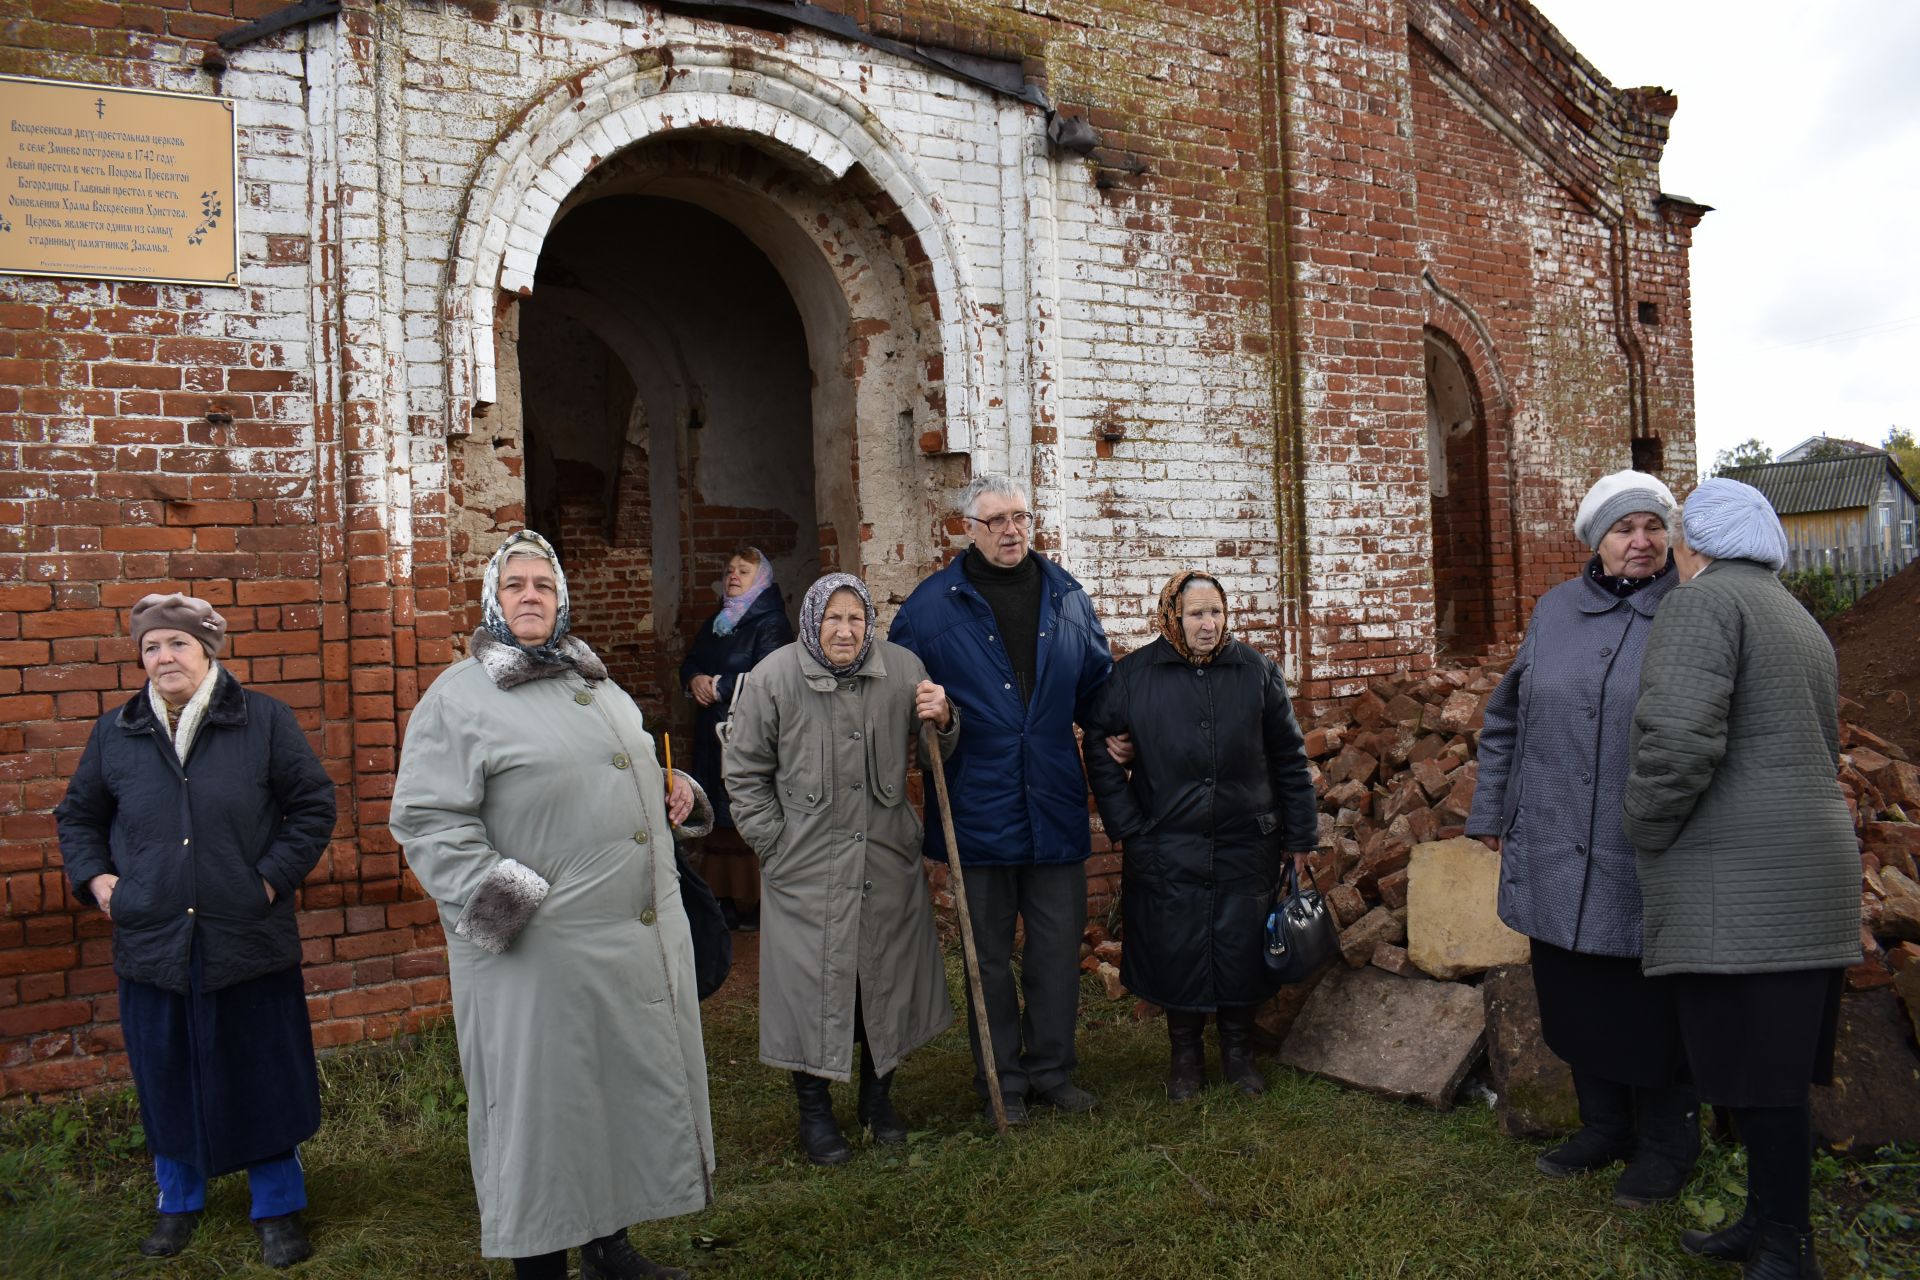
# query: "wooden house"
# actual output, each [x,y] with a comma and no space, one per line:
[1853,513]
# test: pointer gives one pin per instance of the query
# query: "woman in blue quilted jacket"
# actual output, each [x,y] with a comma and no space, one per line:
[1553,762]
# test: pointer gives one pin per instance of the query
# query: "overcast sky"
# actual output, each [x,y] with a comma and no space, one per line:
[1800,124]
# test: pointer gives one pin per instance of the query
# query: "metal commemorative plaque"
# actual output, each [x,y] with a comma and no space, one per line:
[116,184]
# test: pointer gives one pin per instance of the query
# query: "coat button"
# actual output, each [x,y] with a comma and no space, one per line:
[1580,849]
[646,917]
[809,797]
[639,837]
[620,761]
[584,698]
[1206,724]
[856,786]
[856,735]
[1605,650]
[859,835]
[189,910]
[1006,686]
[186,840]
[1589,711]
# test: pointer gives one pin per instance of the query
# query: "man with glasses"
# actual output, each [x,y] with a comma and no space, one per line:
[1013,639]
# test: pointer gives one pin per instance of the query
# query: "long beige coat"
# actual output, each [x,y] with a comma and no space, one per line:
[817,771]
[586,1077]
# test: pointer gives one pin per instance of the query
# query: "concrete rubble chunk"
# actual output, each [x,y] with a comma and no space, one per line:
[1534,1087]
[1452,926]
[1406,1038]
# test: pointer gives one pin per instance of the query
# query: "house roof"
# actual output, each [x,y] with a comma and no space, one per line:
[1827,444]
[1822,484]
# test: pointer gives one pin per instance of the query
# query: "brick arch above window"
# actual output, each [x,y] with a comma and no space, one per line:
[811,123]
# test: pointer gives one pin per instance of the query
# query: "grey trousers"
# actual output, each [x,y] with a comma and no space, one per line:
[1032,1047]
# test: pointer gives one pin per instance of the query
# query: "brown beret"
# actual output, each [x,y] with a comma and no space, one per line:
[176,612]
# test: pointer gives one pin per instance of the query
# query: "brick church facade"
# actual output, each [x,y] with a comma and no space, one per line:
[1348,300]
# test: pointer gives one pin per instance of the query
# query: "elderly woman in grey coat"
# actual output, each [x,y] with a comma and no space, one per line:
[816,765]
[531,809]
[1747,855]
[1553,762]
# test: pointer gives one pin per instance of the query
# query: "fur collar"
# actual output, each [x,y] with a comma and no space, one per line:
[509,667]
[229,706]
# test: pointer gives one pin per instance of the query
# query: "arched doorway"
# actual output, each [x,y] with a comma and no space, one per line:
[1465,575]
[666,401]
[718,348]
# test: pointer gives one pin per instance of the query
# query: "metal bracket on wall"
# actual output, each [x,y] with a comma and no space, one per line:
[279,20]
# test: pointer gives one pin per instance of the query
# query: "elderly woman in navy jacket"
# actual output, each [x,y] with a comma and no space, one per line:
[750,624]
[199,882]
[1218,793]
[1553,766]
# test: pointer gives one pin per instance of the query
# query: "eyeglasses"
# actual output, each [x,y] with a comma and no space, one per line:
[1021,520]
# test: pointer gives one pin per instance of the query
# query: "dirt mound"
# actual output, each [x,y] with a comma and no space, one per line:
[1878,641]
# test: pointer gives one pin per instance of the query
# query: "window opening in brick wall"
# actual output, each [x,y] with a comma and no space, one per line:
[1649,313]
[1465,573]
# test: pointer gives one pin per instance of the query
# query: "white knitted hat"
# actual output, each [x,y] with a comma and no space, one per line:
[1617,495]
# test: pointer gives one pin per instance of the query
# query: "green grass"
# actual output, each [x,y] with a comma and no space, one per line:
[1311,1180]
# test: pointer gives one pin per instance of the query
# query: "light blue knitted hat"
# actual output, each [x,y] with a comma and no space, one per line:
[1732,521]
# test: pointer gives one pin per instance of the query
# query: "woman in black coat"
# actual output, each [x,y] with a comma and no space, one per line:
[1219,790]
[750,624]
[199,882]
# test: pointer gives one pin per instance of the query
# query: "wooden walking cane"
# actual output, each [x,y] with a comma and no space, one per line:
[931,745]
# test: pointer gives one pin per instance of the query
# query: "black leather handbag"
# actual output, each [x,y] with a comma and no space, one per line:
[1301,936]
[712,940]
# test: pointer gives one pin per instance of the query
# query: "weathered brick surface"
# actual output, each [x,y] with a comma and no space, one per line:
[1203,344]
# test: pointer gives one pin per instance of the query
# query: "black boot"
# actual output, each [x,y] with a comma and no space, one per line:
[1782,1253]
[1606,1129]
[1668,1147]
[283,1241]
[876,1105]
[1236,1050]
[614,1258]
[820,1138]
[170,1234]
[1729,1244]
[1187,1069]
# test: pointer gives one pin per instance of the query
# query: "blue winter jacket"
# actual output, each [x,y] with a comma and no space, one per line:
[1553,768]
[1019,792]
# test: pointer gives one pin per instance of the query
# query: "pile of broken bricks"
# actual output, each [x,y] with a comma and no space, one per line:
[1433,981]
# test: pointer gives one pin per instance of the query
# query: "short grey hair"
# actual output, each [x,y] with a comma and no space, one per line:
[1000,486]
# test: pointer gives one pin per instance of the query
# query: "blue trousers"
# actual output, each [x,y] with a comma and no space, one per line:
[278,1184]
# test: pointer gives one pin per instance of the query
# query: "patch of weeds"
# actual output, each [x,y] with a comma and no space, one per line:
[1870,1210]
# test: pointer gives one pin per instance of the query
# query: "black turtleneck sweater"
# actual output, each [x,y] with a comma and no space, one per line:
[1014,596]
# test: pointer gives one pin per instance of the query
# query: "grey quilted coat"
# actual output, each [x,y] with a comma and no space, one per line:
[1747,855]
[1553,762]
[817,768]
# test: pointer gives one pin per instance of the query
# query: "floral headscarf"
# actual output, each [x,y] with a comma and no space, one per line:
[814,607]
[526,543]
[732,609]
[1166,620]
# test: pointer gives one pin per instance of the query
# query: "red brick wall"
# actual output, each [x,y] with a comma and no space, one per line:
[1300,179]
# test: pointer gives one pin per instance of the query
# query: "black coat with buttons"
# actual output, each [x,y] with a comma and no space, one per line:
[1218,791]
[191,841]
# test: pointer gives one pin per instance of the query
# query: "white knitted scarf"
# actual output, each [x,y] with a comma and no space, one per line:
[190,715]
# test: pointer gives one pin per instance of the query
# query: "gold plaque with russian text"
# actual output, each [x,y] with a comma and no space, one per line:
[116,184]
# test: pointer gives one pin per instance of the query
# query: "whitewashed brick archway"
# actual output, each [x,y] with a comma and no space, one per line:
[523,184]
